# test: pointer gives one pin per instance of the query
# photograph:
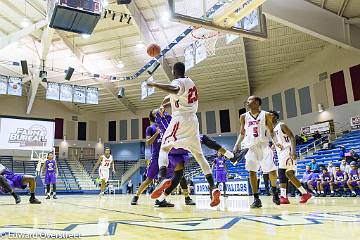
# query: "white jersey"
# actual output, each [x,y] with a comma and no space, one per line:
[281,137]
[255,129]
[106,162]
[186,101]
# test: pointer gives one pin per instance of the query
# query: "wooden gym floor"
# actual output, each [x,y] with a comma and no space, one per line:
[112,217]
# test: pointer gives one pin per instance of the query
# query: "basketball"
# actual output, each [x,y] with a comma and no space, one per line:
[153,50]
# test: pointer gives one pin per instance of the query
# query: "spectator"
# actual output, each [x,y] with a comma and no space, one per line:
[344,166]
[330,168]
[327,145]
[316,135]
[353,156]
[306,177]
[313,183]
[314,167]
[304,138]
[342,152]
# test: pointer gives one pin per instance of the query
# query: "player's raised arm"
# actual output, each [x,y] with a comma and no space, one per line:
[169,88]
[165,103]
[289,133]
[241,135]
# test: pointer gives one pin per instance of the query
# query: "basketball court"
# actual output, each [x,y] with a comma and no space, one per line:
[74,81]
[113,218]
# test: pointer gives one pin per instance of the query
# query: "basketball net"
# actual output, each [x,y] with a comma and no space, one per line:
[208,37]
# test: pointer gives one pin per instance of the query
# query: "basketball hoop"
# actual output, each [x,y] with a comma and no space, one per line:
[208,37]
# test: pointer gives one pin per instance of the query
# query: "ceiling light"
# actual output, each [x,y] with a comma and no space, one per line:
[105,3]
[140,45]
[85,36]
[120,65]
[165,17]
[25,23]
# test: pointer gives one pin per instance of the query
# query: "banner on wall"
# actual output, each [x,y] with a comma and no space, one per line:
[240,187]
[26,134]
[320,127]
[355,122]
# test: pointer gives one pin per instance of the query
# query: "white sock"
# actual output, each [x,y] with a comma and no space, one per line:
[321,192]
[352,191]
[162,197]
[228,154]
[332,191]
[302,190]
[283,192]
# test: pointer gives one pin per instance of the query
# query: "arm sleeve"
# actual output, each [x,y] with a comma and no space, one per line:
[180,84]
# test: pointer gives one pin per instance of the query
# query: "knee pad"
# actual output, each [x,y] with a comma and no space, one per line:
[282,176]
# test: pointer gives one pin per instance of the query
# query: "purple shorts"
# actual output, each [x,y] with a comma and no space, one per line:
[14,180]
[355,184]
[50,178]
[339,184]
[314,184]
[153,169]
[326,185]
[220,176]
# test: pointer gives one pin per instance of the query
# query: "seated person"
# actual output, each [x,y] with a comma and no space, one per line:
[326,183]
[306,177]
[314,167]
[344,166]
[330,167]
[313,183]
[316,135]
[340,178]
[353,156]
[354,179]
[342,152]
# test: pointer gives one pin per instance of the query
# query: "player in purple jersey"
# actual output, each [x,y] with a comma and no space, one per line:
[326,183]
[306,177]
[313,183]
[220,171]
[9,181]
[51,169]
[154,133]
[340,178]
[354,179]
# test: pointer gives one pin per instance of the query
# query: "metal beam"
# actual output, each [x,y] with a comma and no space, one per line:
[46,39]
[243,50]
[108,86]
[147,34]
[342,7]
[323,2]
[318,22]
[13,37]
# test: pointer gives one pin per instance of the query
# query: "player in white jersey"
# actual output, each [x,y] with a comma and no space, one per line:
[286,151]
[183,130]
[105,161]
[253,127]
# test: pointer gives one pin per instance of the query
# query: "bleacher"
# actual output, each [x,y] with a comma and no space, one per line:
[350,140]
[120,167]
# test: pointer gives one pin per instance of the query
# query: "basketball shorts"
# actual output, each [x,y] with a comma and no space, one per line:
[220,176]
[174,159]
[355,184]
[14,180]
[183,132]
[339,184]
[104,173]
[285,160]
[326,186]
[260,155]
[50,178]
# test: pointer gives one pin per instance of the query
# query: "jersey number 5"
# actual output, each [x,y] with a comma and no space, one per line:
[255,132]
[192,95]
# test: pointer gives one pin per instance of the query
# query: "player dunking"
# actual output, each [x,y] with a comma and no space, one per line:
[183,130]
[50,175]
[286,152]
[104,170]
[253,127]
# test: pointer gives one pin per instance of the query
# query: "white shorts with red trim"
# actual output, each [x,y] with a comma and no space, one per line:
[285,160]
[104,173]
[260,155]
[183,132]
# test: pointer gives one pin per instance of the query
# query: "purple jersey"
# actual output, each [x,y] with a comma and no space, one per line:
[354,174]
[306,177]
[339,176]
[326,177]
[220,164]
[315,177]
[14,180]
[50,166]
[155,147]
